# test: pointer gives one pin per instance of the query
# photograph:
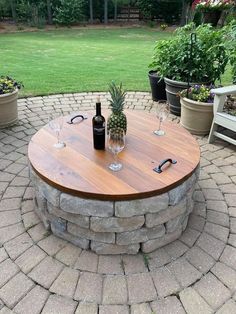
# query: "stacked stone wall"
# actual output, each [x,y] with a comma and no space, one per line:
[115,227]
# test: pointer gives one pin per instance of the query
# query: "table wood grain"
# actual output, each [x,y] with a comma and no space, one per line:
[80,170]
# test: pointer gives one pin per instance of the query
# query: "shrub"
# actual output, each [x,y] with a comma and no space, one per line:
[69,12]
[172,58]
[230,44]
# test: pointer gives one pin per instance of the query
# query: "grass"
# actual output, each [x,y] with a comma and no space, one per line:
[77,60]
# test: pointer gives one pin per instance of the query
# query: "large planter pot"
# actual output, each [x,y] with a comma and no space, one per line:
[157,86]
[172,90]
[212,17]
[196,116]
[8,109]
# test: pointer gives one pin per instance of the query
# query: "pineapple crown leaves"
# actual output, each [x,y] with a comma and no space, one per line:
[117,97]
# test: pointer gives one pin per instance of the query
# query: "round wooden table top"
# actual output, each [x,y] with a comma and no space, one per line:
[79,169]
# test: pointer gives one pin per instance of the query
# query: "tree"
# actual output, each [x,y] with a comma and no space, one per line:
[13,9]
[186,7]
[115,10]
[91,11]
[105,11]
[49,11]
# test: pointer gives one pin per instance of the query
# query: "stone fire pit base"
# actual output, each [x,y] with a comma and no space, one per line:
[115,227]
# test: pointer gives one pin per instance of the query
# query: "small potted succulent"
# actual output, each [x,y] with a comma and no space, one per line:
[197,109]
[9,88]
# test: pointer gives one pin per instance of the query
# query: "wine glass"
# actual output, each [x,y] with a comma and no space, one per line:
[116,143]
[162,112]
[56,124]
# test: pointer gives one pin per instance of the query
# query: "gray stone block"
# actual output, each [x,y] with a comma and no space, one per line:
[152,245]
[155,232]
[78,241]
[130,237]
[82,221]
[50,193]
[141,235]
[166,215]
[142,206]
[86,207]
[59,224]
[106,237]
[115,224]
[41,212]
[174,224]
[185,222]
[180,191]
[105,248]
[176,194]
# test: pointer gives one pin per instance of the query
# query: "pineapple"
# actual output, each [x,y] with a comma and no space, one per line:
[117,119]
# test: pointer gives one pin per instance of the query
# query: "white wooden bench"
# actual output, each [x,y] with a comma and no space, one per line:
[222,118]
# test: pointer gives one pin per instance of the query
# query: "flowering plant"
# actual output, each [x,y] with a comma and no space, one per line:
[200,93]
[8,85]
[212,4]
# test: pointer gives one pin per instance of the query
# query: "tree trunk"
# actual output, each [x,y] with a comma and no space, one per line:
[49,10]
[115,11]
[13,9]
[185,6]
[105,11]
[91,11]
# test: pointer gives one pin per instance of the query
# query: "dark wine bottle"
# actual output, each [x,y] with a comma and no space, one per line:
[98,127]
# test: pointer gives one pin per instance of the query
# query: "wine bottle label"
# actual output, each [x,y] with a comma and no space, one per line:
[99,131]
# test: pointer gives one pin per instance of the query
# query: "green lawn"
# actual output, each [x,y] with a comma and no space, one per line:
[77,60]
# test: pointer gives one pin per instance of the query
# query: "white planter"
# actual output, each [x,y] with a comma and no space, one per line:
[8,109]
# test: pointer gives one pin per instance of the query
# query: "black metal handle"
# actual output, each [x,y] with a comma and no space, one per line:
[159,170]
[77,116]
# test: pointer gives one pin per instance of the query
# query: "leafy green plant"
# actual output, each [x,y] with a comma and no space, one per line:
[230,44]
[199,93]
[8,85]
[69,12]
[146,259]
[204,62]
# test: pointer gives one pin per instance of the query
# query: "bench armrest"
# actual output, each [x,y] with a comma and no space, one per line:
[227,90]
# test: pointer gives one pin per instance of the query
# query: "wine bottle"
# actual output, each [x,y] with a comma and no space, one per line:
[98,127]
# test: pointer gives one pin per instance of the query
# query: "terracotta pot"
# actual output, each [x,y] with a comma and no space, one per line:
[196,116]
[8,109]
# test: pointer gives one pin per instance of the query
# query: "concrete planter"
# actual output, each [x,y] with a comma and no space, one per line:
[8,109]
[172,90]
[196,116]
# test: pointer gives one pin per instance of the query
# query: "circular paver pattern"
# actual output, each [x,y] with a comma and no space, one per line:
[40,273]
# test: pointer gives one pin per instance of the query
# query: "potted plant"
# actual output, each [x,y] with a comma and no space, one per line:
[8,101]
[183,62]
[211,9]
[197,109]
[158,86]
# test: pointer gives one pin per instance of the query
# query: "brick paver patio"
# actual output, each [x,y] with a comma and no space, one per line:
[40,273]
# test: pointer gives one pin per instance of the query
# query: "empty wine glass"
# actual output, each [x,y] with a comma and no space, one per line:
[56,124]
[162,112]
[116,143]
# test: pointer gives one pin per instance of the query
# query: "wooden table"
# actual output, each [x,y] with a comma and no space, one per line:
[79,170]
